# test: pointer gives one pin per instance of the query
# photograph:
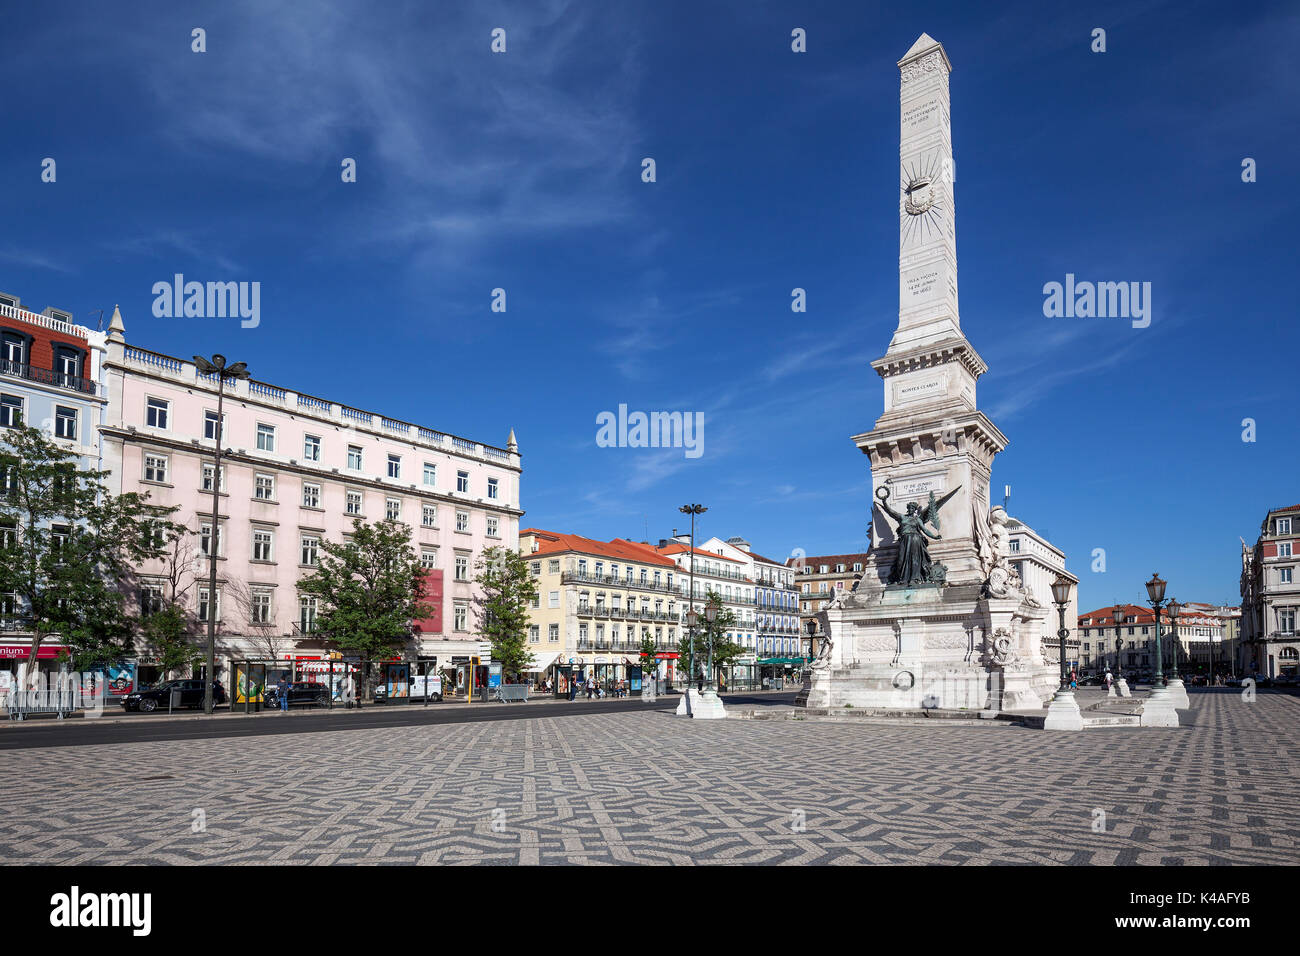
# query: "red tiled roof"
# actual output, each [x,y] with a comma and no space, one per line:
[679,548]
[1102,617]
[555,542]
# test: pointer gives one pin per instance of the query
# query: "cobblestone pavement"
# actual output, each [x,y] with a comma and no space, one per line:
[652,788]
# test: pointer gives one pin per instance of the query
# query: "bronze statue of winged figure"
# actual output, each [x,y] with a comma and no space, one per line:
[912,563]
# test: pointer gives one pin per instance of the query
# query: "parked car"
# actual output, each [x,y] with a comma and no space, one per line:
[417,688]
[192,693]
[305,693]
[1091,681]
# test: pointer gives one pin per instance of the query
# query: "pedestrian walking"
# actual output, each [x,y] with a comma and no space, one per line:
[282,691]
[573,688]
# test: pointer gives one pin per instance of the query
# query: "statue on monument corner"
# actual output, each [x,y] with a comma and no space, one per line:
[912,563]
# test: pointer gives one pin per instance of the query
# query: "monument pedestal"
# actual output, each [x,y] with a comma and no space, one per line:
[1121,686]
[1063,713]
[1158,709]
[915,648]
[701,706]
[1178,694]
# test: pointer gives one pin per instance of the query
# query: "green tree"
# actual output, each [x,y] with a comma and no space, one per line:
[649,660]
[166,624]
[67,545]
[725,651]
[369,589]
[506,591]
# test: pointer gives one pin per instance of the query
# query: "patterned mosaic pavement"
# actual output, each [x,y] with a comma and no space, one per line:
[651,788]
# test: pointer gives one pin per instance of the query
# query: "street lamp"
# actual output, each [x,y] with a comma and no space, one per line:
[218,367]
[1118,617]
[1156,594]
[1063,711]
[1174,608]
[1061,597]
[711,614]
[691,617]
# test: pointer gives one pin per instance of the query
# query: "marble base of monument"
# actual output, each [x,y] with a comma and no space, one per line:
[1178,694]
[702,706]
[925,647]
[1158,709]
[1122,686]
[1063,713]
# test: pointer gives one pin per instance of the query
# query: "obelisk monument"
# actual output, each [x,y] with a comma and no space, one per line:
[939,618]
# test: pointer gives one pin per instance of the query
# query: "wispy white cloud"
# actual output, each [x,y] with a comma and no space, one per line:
[30,259]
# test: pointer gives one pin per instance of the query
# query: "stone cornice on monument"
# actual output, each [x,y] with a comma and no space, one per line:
[924,45]
[909,441]
[933,354]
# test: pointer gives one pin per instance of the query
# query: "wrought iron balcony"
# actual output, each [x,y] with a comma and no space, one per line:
[47,376]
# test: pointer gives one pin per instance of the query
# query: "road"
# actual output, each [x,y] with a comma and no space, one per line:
[80,731]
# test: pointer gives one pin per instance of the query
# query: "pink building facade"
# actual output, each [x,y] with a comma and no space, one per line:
[299,469]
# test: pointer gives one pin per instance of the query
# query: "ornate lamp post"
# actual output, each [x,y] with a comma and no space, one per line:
[218,367]
[711,614]
[1063,712]
[1158,709]
[1177,690]
[1156,595]
[1121,685]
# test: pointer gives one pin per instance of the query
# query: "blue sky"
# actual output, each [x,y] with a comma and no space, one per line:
[775,171]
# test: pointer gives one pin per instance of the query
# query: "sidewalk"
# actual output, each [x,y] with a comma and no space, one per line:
[115,715]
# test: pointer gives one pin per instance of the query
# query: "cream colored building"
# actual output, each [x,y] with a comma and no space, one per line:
[1038,562]
[596,601]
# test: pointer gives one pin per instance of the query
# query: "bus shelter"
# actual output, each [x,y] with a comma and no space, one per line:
[345,681]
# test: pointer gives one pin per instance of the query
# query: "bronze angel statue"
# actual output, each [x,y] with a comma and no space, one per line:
[912,564]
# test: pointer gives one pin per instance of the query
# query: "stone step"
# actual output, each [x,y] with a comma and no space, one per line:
[1112,720]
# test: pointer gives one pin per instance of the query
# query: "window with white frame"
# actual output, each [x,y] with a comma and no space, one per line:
[553,599]
[155,468]
[460,617]
[205,539]
[156,412]
[1286,620]
[263,544]
[553,633]
[307,608]
[1283,525]
[534,634]
[265,437]
[260,607]
[494,488]
[354,457]
[310,495]
[393,509]
[151,598]
[492,522]
[207,471]
[428,558]
[430,474]
[204,604]
[11,411]
[1284,575]
[310,448]
[65,422]
[210,425]
[462,567]
[355,500]
[310,550]
[462,521]
[553,566]
[264,487]
[394,466]
[462,481]
[1284,549]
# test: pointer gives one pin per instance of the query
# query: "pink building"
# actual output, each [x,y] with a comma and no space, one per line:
[300,469]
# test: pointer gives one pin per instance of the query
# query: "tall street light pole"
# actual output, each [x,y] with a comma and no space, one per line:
[1156,595]
[218,367]
[691,616]
[1173,610]
[1063,711]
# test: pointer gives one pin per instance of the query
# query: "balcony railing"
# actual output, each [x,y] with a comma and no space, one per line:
[47,376]
[608,580]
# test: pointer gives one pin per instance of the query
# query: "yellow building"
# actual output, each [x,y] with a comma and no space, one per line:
[596,601]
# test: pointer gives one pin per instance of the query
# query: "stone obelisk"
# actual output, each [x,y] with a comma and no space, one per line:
[967,635]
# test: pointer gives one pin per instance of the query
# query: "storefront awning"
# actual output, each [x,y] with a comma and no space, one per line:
[542,662]
[783,660]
